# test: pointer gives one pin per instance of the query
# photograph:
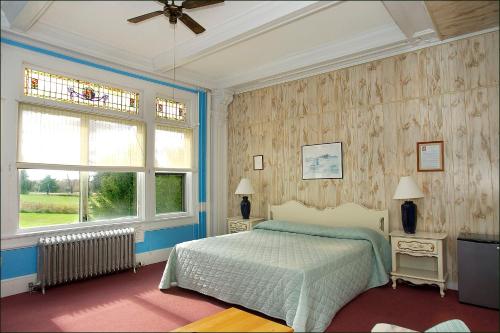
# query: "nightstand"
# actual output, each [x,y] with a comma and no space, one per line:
[237,224]
[419,258]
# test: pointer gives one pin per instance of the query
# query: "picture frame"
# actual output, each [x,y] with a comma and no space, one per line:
[430,156]
[258,162]
[322,161]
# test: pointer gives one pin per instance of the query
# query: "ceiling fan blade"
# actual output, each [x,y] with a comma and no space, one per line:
[190,4]
[145,16]
[191,24]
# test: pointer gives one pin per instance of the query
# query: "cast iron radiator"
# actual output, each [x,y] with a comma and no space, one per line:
[66,258]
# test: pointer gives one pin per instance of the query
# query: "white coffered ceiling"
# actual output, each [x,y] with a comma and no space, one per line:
[246,43]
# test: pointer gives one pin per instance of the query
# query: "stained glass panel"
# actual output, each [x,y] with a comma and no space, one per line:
[63,89]
[170,109]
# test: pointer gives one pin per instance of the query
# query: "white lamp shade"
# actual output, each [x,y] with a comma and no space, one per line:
[244,187]
[407,189]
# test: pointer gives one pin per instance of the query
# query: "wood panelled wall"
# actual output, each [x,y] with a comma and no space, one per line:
[379,110]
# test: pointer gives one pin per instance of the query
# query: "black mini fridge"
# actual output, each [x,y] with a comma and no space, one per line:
[478,269]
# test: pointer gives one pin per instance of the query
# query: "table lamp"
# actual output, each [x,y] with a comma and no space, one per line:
[245,187]
[408,189]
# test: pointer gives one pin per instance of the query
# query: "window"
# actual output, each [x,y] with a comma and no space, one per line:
[76,167]
[48,197]
[111,195]
[173,147]
[169,193]
[55,136]
[173,162]
[53,197]
[170,109]
[63,89]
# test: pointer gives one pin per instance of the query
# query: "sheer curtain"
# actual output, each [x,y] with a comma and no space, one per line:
[173,147]
[53,136]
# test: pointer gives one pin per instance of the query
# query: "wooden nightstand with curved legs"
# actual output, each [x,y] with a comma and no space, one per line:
[419,258]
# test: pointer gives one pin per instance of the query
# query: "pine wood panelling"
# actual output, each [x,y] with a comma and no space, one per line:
[478,148]
[454,66]
[379,111]
[475,62]
[453,18]
[492,49]
[493,105]
[448,185]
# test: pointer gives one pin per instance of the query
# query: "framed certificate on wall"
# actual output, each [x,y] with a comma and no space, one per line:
[258,162]
[430,156]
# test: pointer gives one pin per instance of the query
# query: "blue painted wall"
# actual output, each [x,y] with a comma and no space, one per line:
[23,261]
[202,160]
[18,262]
[165,238]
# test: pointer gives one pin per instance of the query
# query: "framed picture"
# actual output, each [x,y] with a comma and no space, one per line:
[430,156]
[258,162]
[322,161]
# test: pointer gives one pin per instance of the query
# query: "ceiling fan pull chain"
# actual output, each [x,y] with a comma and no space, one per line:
[175,45]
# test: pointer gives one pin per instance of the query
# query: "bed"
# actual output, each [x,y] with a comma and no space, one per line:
[301,266]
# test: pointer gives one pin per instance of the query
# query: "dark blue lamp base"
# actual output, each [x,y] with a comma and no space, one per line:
[245,208]
[409,216]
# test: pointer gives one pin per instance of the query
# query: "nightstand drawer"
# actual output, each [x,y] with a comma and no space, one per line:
[237,226]
[422,246]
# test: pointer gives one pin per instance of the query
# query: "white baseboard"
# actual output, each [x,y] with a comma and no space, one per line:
[20,284]
[17,285]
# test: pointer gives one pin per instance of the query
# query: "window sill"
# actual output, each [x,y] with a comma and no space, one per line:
[29,237]
[171,216]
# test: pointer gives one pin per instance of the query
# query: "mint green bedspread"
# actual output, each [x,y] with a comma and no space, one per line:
[300,273]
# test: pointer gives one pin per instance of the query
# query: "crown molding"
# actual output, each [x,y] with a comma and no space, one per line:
[186,75]
[350,60]
[260,19]
[386,35]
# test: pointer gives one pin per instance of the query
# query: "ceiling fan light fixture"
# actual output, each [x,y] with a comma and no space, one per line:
[174,12]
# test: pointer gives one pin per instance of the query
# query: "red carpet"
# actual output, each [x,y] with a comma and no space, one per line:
[131,302]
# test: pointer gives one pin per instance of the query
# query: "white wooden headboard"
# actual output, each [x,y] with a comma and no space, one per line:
[346,215]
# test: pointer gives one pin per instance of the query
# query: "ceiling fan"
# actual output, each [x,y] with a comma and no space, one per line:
[174,12]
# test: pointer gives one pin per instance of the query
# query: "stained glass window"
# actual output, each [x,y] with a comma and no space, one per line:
[63,89]
[170,109]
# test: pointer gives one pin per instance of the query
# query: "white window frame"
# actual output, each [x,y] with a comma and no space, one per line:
[190,186]
[140,186]
[188,207]
[82,107]
[188,122]
[17,61]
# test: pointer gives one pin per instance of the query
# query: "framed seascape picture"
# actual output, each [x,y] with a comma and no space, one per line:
[322,161]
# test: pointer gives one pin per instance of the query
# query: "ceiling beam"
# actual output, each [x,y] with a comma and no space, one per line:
[414,20]
[22,15]
[265,17]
